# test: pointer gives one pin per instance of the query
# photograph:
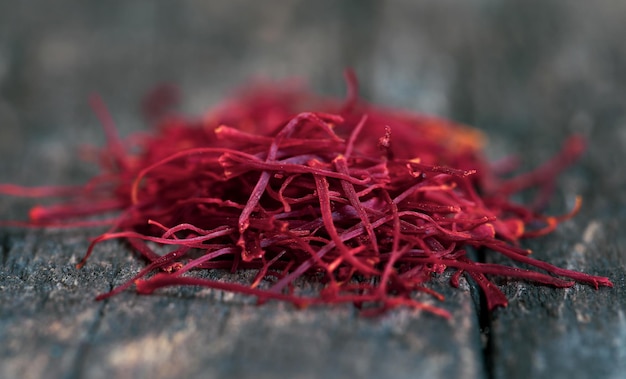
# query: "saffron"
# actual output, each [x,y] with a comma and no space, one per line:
[370,202]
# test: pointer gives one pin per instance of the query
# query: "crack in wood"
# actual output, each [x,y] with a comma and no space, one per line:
[485,318]
[5,248]
[77,367]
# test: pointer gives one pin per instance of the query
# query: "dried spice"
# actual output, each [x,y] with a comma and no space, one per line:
[367,202]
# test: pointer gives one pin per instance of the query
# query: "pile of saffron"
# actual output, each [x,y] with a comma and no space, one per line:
[369,203]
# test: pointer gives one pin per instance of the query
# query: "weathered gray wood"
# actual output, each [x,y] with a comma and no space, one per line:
[52,57]
[575,333]
[541,71]
[51,327]
[528,72]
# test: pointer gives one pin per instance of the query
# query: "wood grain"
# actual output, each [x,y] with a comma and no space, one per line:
[529,73]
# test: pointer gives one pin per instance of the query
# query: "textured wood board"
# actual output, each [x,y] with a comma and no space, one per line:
[52,327]
[528,72]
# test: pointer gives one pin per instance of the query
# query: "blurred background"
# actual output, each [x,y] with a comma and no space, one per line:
[527,72]
[536,70]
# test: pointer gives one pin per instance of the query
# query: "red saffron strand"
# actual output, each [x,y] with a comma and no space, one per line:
[368,203]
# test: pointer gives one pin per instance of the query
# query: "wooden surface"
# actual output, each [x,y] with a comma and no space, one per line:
[529,73]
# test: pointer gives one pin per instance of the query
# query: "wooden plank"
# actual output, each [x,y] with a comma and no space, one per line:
[532,73]
[49,324]
[536,76]
[572,333]
[528,72]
